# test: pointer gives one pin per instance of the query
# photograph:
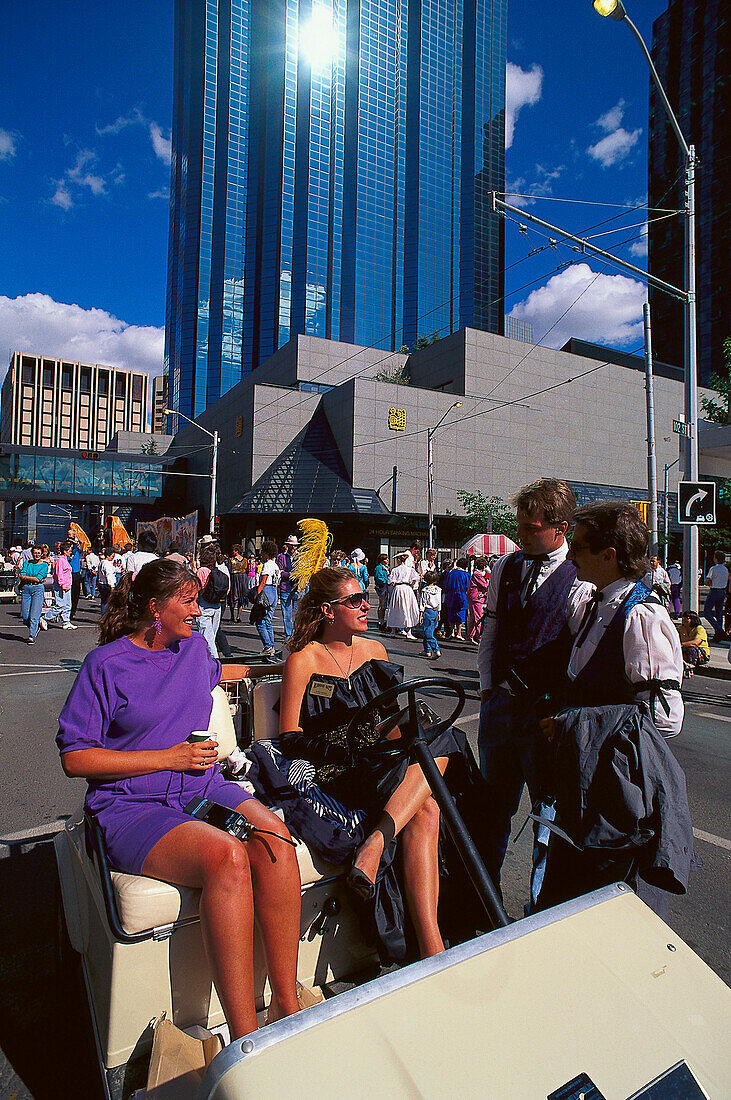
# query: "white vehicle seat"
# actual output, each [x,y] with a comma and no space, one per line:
[140,938]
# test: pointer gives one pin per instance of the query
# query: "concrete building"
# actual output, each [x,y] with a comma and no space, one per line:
[331,165]
[691,48]
[55,402]
[313,432]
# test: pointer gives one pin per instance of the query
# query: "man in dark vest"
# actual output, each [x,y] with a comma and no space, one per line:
[529,598]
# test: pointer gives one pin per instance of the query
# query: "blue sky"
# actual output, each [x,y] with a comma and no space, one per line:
[84,172]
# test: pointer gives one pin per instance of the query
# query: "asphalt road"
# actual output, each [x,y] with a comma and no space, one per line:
[42,1022]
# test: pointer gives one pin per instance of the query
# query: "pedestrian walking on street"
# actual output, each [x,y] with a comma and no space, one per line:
[380,580]
[403,610]
[267,590]
[108,577]
[476,596]
[62,576]
[359,565]
[75,563]
[214,591]
[237,593]
[675,573]
[455,590]
[90,572]
[713,610]
[430,602]
[287,588]
[31,578]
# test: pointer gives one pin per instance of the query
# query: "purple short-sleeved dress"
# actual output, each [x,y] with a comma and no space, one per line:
[128,699]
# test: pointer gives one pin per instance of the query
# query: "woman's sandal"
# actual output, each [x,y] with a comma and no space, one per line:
[358,880]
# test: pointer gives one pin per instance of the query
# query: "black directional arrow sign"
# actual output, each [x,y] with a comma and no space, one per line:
[697,502]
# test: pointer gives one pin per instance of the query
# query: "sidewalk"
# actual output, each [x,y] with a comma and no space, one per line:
[719,664]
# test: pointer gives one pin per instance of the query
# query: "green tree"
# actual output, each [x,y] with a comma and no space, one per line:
[486,514]
[150,448]
[399,375]
[717,411]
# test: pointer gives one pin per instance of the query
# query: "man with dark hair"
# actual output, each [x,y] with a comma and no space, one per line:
[529,598]
[626,647]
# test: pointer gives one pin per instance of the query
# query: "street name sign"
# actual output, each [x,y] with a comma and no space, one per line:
[681,428]
[697,502]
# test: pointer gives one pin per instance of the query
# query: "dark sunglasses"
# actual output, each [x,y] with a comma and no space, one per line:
[354,600]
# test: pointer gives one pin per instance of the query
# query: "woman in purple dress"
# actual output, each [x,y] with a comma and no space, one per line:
[124,729]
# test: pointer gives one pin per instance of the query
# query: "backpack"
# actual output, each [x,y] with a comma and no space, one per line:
[216,587]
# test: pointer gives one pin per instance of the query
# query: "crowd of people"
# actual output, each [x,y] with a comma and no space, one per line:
[562,629]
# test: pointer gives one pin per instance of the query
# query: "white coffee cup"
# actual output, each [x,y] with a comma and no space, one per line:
[200,735]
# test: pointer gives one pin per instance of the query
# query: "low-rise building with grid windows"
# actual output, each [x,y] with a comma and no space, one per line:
[54,402]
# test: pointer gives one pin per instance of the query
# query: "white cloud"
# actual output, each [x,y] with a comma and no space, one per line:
[605,309]
[62,196]
[36,323]
[135,117]
[639,247]
[161,193]
[8,145]
[614,147]
[617,142]
[161,144]
[523,88]
[611,119]
[520,192]
[79,176]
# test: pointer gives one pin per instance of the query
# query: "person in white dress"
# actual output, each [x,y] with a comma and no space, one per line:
[403,610]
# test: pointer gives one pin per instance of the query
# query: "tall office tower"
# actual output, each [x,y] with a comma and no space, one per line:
[331,166]
[691,48]
[51,402]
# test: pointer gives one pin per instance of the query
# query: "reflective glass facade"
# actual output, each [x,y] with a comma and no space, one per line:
[331,167]
[30,475]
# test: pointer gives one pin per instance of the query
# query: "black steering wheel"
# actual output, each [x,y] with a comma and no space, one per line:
[411,688]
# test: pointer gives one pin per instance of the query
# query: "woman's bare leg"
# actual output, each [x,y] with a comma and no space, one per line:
[198,855]
[420,851]
[276,905]
[408,798]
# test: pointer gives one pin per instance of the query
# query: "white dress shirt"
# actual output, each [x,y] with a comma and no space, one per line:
[657,576]
[651,648]
[579,592]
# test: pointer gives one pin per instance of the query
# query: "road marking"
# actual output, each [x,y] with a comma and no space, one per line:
[719,841]
[23,664]
[710,714]
[43,672]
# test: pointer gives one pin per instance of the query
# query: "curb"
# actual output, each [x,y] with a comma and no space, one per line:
[714,673]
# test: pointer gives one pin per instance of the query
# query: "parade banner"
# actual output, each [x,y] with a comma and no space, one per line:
[169,529]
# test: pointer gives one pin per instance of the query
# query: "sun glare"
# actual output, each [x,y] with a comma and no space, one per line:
[318,39]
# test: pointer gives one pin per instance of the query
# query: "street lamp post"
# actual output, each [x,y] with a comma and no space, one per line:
[615,10]
[668,466]
[214,460]
[430,470]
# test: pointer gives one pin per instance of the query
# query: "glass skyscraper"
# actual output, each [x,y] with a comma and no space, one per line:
[331,167]
[691,48]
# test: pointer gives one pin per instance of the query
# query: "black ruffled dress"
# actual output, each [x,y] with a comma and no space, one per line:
[361,773]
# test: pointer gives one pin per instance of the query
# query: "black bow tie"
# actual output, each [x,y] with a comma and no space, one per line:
[589,618]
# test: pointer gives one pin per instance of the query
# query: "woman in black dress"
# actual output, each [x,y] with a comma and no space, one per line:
[333,670]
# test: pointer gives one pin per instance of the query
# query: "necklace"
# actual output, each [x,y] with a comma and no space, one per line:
[346,675]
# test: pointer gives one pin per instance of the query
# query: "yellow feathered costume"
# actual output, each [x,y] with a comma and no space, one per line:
[312,553]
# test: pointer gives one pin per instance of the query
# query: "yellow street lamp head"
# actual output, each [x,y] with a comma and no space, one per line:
[458,405]
[613,8]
